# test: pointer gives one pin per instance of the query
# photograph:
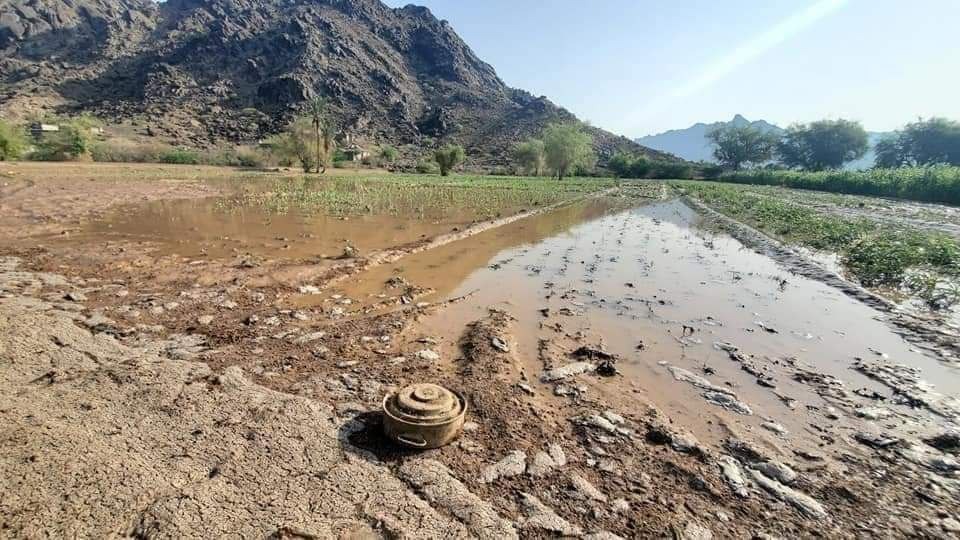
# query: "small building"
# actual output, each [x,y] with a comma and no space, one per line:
[38,129]
[354,152]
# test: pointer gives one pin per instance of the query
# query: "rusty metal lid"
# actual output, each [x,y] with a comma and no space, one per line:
[424,403]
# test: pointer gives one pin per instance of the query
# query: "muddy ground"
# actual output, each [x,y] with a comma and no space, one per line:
[633,369]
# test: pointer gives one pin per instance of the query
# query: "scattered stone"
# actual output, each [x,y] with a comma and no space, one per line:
[803,502]
[619,506]
[567,371]
[873,413]
[695,531]
[499,344]
[945,442]
[733,474]
[877,441]
[204,320]
[308,289]
[583,489]
[728,401]
[593,353]
[75,296]
[778,471]
[526,388]
[775,428]
[229,304]
[427,354]
[308,338]
[540,516]
[512,465]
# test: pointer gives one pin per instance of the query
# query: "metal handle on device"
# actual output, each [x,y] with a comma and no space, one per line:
[419,442]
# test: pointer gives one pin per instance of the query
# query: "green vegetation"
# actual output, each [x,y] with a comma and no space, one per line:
[12,141]
[736,146]
[448,157]
[567,148]
[878,254]
[388,154]
[180,156]
[324,132]
[826,144]
[460,197]
[530,157]
[925,142]
[626,165]
[930,184]
[290,146]
[73,141]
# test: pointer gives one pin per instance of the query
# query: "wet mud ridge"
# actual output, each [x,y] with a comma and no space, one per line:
[922,331]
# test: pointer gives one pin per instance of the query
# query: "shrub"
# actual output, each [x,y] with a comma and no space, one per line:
[180,156]
[425,166]
[127,152]
[13,142]
[448,157]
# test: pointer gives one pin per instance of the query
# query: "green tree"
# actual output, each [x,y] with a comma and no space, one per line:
[566,147]
[12,141]
[529,156]
[622,164]
[825,144]
[448,157]
[924,142]
[735,146]
[293,145]
[388,154]
[324,132]
[889,153]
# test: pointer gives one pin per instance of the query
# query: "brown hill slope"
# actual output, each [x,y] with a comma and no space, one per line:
[202,71]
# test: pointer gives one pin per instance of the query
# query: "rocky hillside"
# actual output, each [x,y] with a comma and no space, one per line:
[202,71]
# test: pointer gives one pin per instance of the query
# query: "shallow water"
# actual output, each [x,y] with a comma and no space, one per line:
[210,227]
[638,277]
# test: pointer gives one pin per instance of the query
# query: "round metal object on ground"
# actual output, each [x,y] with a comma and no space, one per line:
[424,415]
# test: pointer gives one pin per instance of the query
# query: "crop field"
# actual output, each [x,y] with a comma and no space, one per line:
[610,337]
[939,183]
[877,250]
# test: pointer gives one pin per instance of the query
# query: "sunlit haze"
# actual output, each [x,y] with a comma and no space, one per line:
[642,67]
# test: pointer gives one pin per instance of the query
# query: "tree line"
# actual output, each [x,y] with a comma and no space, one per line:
[830,144]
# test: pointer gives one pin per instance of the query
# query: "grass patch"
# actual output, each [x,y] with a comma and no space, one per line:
[878,254]
[422,197]
[940,183]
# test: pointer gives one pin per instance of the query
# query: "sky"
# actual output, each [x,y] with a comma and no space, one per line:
[641,67]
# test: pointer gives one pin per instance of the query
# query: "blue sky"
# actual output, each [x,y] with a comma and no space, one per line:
[640,67]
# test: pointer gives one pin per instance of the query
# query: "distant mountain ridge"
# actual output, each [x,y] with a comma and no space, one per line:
[692,143]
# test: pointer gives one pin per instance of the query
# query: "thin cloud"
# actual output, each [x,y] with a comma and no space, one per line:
[745,53]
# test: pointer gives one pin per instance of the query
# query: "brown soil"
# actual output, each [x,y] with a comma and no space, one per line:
[217,393]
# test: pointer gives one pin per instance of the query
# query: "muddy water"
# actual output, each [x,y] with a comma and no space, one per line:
[632,281]
[209,227]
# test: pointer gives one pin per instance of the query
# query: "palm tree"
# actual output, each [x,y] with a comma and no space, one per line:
[317,110]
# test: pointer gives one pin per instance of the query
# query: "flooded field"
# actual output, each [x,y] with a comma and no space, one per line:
[627,362]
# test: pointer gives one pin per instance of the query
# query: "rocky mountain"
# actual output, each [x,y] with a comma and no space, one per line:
[202,71]
[692,143]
